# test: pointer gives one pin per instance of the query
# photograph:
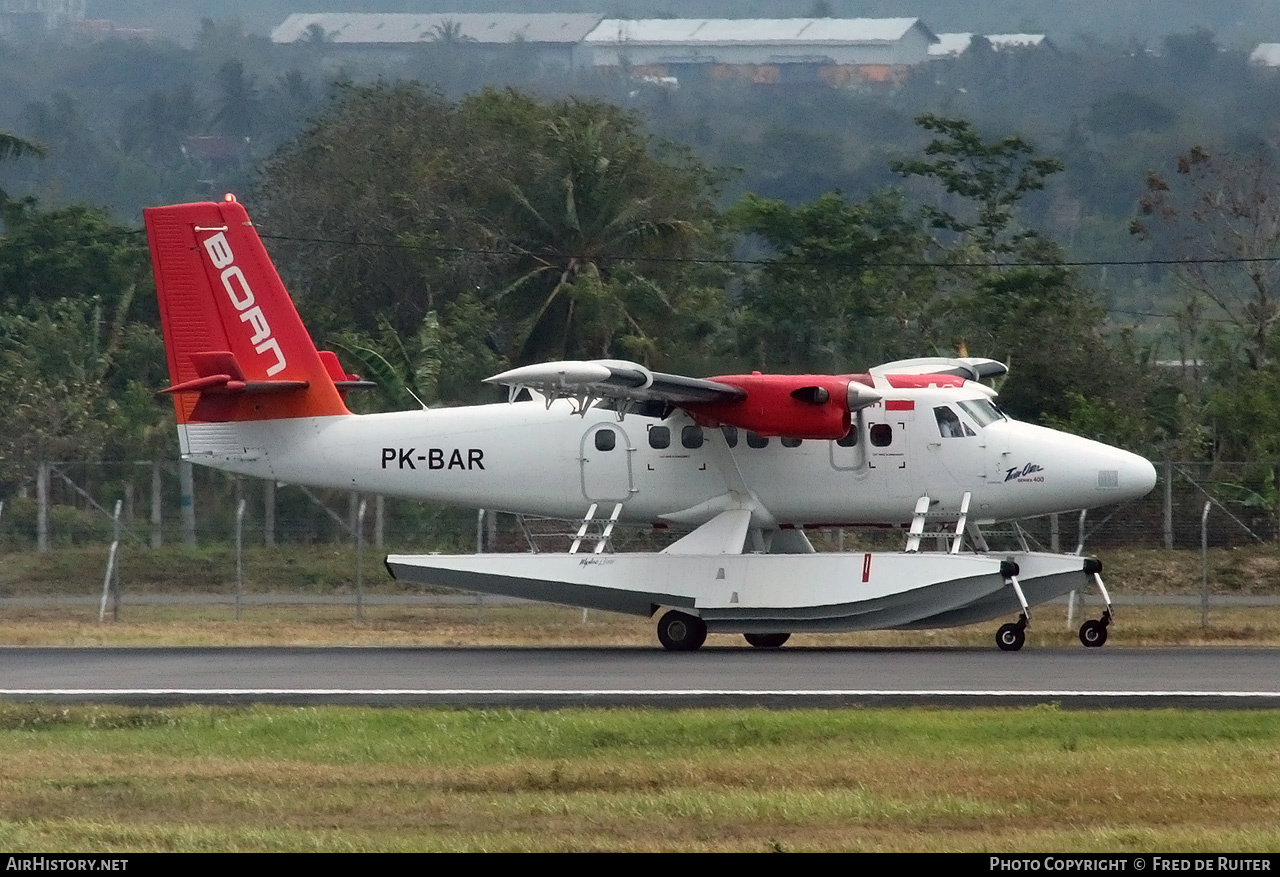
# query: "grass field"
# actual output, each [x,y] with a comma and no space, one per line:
[331,778]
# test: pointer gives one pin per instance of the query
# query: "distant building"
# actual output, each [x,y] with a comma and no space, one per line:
[836,51]
[1266,55]
[553,38]
[952,45]
[104,28]
[19,17]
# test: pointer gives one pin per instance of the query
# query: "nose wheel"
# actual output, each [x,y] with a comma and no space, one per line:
[1093,633]
[1010,637]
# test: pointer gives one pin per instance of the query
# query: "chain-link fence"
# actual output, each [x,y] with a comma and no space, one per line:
[166,502]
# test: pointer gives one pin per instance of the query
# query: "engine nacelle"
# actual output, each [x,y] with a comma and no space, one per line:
[797,406]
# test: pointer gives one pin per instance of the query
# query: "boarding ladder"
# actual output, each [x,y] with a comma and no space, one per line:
[588,530]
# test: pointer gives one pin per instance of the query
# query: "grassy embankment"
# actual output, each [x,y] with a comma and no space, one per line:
[266,778]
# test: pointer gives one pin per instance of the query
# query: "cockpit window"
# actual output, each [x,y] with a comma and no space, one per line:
[982,411]
[948,423]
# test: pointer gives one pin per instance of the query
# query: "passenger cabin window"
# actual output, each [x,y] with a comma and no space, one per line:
[881,435]
[730,435]
[790,442]
[691,437]
[948,422]
[756,441]
[606,440]
[850,438]
[659,437]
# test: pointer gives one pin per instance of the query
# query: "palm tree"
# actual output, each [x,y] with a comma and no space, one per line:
[450,32]
[602,202]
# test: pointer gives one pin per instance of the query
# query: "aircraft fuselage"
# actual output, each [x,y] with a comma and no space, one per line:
[529,458]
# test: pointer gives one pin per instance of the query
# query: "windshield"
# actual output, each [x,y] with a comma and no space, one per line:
[982,411]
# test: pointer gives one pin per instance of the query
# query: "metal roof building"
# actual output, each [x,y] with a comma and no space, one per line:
[1266,55]
[556,36]
[775,49]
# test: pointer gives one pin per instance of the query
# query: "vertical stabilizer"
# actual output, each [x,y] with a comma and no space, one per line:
[237,348]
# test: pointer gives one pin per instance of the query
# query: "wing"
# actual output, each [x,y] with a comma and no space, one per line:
[614,379]
[971,368]
[799,406]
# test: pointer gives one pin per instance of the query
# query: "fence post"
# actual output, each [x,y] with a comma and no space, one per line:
[360,561]
[1055,541]
[1204,567]
[187,503]
[1168,505]
[42,507]
[480,513]
[239,552]
[157,537]
[269,512]
[1275,475]
[111,571]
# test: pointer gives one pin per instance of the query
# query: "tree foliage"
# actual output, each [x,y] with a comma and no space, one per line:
[1220,215]
[988,178]
[845,286]
[561,219]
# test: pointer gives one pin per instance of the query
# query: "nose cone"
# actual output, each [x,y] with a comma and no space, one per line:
[1079,472]
[1136,474]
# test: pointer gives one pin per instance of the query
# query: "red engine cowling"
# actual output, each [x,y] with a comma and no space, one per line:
[797,406]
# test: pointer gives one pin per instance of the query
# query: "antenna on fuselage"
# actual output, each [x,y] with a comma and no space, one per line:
[415,398]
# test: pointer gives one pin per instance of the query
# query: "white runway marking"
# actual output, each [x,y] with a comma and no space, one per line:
[620,692]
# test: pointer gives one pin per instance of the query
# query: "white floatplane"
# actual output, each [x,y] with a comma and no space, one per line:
[750,462]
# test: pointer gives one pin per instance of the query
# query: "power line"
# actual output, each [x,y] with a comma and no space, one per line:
[693,260]
[823,263]
[827,263]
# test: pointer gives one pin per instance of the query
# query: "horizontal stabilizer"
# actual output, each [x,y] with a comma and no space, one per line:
[220,373]
[341,379]
[228,384]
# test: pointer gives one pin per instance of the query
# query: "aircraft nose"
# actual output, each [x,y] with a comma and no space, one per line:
[1137,475]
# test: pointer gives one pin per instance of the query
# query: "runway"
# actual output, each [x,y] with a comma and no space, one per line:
[714,676]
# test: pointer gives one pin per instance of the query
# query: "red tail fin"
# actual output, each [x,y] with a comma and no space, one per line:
[236,345]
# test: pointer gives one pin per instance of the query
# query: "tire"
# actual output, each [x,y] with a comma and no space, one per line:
[681,632]
[1093,634]
[1010,637]
[767,640]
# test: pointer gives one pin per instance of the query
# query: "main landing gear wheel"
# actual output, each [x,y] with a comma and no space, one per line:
[1093,634]
[767,640]
[1010,637]
[681,632]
